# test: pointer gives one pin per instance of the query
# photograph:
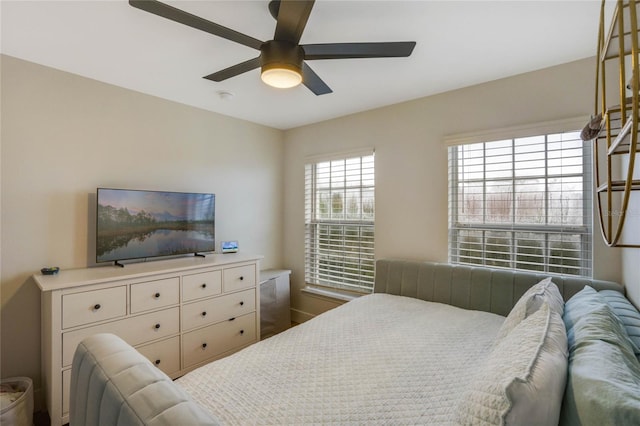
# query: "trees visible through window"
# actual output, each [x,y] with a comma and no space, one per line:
[339,223]
[522,203]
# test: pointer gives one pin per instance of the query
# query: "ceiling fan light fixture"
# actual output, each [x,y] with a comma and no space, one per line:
[281,64]
[281,77]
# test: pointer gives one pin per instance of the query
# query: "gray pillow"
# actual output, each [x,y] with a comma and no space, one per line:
[627,313]
[603,383]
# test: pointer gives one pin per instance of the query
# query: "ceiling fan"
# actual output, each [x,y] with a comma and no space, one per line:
[282,60]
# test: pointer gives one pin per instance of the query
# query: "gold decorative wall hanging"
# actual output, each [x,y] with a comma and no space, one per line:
[614,126]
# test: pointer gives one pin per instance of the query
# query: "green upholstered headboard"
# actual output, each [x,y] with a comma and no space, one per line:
[470,287]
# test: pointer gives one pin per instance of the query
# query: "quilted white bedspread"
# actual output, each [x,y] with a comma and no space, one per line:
[379,359]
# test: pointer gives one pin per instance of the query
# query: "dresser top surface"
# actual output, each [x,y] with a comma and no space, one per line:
[68,278]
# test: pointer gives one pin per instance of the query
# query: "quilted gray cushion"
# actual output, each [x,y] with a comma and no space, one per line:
[530,302]
[627,313]
[524,377]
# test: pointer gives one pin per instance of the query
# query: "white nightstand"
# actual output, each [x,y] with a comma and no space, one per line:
[275,313]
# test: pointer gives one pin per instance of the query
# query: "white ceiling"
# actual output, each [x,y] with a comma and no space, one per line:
[459,43]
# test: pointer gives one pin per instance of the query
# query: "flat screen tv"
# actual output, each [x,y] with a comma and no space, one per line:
[135,224]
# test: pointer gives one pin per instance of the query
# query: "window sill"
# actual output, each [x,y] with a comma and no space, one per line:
[331,293]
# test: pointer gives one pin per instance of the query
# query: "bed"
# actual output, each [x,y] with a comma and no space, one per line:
[434,344]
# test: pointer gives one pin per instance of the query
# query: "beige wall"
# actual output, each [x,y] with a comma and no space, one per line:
[64,135]
[411,161]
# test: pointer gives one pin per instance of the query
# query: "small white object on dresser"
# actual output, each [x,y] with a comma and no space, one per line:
[180,313]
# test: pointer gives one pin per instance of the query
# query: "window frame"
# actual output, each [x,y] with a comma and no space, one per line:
[361,279]
[585,231]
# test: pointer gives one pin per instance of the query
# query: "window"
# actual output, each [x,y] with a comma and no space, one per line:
[339,223]
[522,203]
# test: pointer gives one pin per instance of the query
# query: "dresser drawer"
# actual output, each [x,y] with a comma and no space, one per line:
[133,330]
[218,309]
[155,294]
[164,354]
[209,342]
[93,306]
[200,285]
[239,278]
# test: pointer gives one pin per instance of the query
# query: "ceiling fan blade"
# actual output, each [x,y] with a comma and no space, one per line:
[358,50]
[313,82]
[237,69]
[182,17]
[292,18]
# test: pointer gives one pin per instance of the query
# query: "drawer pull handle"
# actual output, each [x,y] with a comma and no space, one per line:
[157,362]
[204,345]
[241,303]
[241,331]
[204,285]
[241,278]
[204,313]
[96,306]
[157,295]
[231,319]
[157,326]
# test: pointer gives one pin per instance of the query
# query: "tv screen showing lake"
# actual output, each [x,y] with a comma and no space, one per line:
[134,224]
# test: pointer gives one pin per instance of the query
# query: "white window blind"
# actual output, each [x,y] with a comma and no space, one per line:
[339,223]
[522,203]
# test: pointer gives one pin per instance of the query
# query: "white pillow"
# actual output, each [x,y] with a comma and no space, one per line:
[530,302]
[522,381]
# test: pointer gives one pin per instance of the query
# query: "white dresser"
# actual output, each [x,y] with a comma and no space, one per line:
[180,313]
